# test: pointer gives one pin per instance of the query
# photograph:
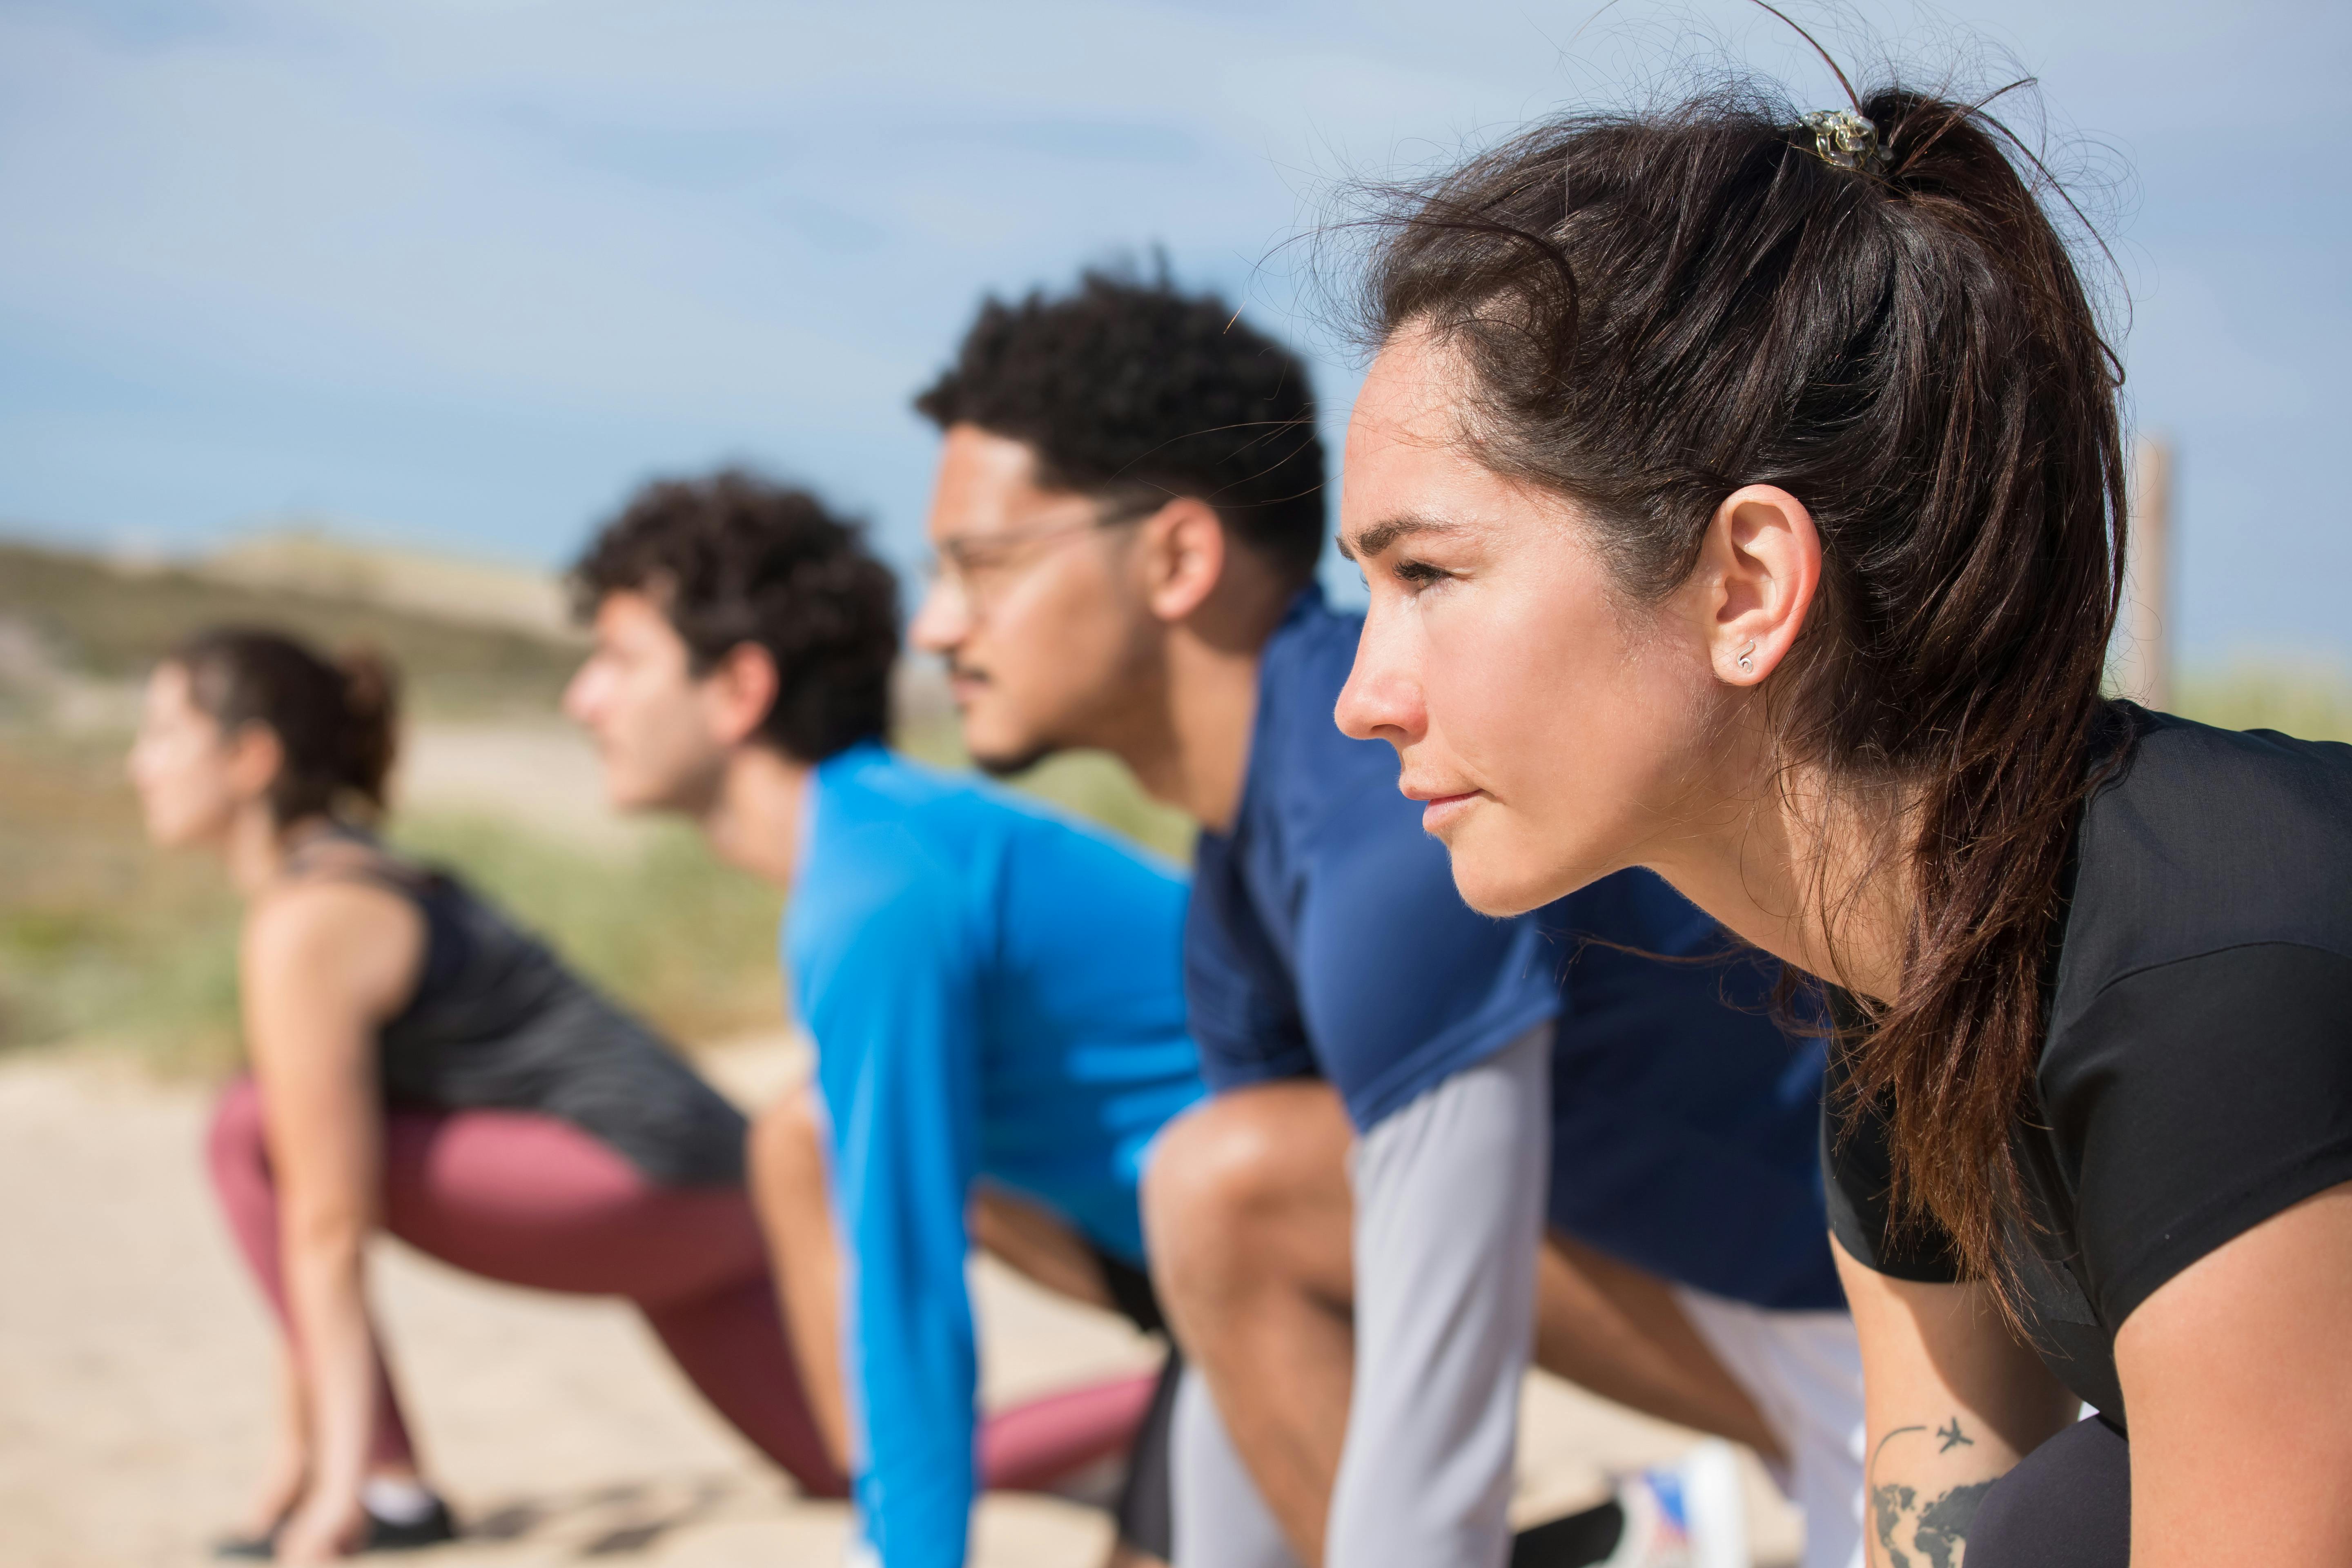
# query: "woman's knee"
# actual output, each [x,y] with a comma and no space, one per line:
[2068,1502]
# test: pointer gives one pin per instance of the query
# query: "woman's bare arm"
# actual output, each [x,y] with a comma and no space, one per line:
[2239,1393]
[1952,1401]
[323,965]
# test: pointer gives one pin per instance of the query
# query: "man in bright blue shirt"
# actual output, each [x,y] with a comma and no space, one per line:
[994,994]
[1436,1138]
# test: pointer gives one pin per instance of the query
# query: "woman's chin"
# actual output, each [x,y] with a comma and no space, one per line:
[1498,879]
[169,833]
[1500,890]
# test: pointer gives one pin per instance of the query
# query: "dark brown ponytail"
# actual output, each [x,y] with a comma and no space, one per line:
[336,720]
[1655,310]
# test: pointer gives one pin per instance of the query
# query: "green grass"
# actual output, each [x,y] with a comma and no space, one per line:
[683,940]
[2311,702]
[107,941]
[100,938]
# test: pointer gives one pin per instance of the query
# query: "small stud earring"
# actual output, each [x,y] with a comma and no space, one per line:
[1747,660]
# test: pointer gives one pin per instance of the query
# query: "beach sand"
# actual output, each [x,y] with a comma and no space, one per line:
[135,1376]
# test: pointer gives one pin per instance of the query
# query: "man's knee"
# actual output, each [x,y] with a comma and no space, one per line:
[1237,1184]
[786,1147]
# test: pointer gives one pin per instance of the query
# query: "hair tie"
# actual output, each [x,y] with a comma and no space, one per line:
[1844,139]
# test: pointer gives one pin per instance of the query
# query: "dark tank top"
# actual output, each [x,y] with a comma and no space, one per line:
[497,1023]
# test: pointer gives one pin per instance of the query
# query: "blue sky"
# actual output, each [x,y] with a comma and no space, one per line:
[461,274]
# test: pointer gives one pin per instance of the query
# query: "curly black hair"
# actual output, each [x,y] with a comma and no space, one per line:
[735,558]
[1130,388]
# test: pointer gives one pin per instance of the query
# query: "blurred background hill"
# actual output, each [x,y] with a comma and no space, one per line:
[107,942]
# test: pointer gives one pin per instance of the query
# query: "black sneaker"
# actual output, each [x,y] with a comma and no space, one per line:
[381,1535]
[433,1529]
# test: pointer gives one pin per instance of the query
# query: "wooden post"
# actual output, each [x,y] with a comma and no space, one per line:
[2143,663]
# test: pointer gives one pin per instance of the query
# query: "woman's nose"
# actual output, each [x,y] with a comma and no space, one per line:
[1381,701]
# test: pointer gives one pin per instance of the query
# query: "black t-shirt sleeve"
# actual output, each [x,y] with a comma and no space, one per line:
[2195,1100]
[1855,1173]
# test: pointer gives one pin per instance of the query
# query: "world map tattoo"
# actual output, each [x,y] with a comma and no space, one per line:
[1933,1527]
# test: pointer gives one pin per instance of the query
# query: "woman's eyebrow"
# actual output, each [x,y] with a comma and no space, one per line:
[1380,535]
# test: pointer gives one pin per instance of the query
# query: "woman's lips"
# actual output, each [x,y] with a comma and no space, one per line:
[1439,811]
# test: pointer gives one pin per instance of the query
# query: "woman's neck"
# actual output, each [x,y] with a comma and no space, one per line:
[1817,878]
[256,848]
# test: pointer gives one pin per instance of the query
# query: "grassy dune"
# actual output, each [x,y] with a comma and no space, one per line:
[97,622]
[104,939]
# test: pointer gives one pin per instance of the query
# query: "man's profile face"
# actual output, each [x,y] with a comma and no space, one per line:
[638,699]
[1046,640]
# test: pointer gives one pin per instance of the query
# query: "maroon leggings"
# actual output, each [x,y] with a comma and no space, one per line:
[530,1200]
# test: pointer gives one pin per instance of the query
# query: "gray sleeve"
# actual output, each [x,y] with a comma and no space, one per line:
[1220,1520]
[1450,1198]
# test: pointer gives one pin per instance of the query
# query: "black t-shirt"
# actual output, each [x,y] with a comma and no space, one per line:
[2197,1075]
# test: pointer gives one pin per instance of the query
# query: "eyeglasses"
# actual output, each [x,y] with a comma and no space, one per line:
[978,567]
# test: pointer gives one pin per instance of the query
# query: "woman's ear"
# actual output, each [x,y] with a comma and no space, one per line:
[255,756]
[1758,569]
[1183,551]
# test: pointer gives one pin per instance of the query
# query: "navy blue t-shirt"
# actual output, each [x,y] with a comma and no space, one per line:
[1325,940]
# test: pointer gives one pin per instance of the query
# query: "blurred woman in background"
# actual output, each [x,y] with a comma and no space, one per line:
[420,1066]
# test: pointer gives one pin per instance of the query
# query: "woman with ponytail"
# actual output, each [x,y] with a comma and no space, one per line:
[421,1067]
[1740,492]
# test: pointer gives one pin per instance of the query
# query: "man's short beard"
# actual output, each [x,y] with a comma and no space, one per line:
[693,793]
[1005,765]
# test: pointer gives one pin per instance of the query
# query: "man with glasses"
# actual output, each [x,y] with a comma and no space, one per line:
[994,994]
[1436,1139]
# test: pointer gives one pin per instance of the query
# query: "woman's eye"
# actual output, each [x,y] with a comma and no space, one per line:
[1417,573]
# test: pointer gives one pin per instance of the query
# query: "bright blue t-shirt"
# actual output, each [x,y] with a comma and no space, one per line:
[1326,939]
[994,992]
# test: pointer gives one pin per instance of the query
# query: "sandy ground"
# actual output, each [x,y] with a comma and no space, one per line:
[133,1357]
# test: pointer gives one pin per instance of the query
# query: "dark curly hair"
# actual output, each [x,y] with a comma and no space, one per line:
[335,719]
[1131,389]
[735,558]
